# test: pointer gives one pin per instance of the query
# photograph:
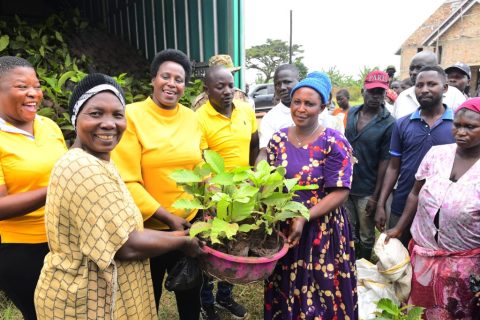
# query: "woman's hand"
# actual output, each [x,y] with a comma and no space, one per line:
[392,233]
[296,228]
[193,247]
[176,223]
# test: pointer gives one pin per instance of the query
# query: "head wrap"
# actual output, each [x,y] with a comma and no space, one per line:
[87,88]
[472,104]
[318,81]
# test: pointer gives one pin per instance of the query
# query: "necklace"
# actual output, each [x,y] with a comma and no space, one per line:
[300,141]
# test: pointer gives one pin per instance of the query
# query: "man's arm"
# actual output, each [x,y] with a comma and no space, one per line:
[373,200]
[254,148]
[391,176]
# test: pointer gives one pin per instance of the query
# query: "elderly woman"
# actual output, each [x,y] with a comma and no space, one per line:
[29,147]
[98,266]
[445,207]
[316,279]
[162,136]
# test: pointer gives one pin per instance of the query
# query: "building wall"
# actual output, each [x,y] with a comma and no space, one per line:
[410,46]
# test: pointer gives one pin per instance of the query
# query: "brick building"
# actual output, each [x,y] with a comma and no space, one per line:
[453,32]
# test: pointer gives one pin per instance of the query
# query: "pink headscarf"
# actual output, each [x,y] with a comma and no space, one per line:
[470,104]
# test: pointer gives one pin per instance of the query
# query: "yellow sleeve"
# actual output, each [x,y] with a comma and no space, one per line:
[253,118]
[203,140]
[127,157]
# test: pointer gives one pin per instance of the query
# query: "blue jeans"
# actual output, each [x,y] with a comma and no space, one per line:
[224,290]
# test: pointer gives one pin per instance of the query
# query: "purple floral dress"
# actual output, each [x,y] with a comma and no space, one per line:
[317,278]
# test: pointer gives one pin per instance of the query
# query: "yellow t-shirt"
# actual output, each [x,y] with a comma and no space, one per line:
[25,165]
[157,142]
[229,137]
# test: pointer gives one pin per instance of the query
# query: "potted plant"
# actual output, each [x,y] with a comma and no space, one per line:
[244,209]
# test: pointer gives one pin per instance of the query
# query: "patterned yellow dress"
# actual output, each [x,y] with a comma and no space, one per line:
[89,214]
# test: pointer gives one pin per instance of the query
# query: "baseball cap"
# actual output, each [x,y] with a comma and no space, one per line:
[376,79]
[461,67]
[223,60]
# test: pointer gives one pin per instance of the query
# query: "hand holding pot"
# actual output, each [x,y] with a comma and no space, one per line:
[193,247]
[296,228]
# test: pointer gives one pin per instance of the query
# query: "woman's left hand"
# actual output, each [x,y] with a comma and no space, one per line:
[296,228]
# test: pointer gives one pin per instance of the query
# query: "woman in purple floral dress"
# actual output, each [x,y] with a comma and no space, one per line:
[317,278]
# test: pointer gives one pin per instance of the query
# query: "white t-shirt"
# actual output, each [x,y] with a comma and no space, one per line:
[279,117]
[407,103]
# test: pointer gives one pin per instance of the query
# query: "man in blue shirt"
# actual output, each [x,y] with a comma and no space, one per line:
[412,136]
[369,128]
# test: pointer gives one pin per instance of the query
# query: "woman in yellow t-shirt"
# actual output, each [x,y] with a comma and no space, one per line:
[162,135]
[29,147]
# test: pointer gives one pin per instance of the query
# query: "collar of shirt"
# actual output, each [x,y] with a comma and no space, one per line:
[384,113]
[447,114]
[212,112]
[5,127]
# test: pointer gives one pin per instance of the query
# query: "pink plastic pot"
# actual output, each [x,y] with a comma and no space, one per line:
[239,270]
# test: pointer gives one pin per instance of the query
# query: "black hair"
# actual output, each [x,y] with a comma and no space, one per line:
[8,63]
[437,69]
[173,55]
[344,92]
[290,67]
[90,81]
[209,74]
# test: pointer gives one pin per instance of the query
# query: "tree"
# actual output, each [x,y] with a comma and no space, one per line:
[270,55]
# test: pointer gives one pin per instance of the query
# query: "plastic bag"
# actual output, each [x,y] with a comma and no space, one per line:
[371,287]
[394,264]
[185,275]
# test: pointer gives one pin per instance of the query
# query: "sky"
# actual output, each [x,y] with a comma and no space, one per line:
[348,34]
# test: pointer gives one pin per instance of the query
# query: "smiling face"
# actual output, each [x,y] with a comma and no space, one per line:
[100,125]
[305,107]
[466,129]
[168,84]
[20,96]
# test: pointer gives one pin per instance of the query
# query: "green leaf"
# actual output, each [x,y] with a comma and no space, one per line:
[4,41]
[415,313]
[263,167]
[67,75]
[223,179]
[389,307]
[276,199]
[247,227]
[42,51]
[241,211]
[286,214]
[223,203]
[200,227]
[58,36]
[290,183]
[188,204]
[223,228]
[184,176]
[245,190]
[305,187]
[46,112]
[214,160]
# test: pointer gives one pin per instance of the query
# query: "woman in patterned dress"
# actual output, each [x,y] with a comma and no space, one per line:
[444,205]
[316,279]
[98,265]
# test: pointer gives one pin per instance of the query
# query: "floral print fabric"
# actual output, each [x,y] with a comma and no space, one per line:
[317,278]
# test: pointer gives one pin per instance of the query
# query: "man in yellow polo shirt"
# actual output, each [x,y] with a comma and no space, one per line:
[229,127]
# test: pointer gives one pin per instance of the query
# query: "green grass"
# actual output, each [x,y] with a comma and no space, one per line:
[251,296]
